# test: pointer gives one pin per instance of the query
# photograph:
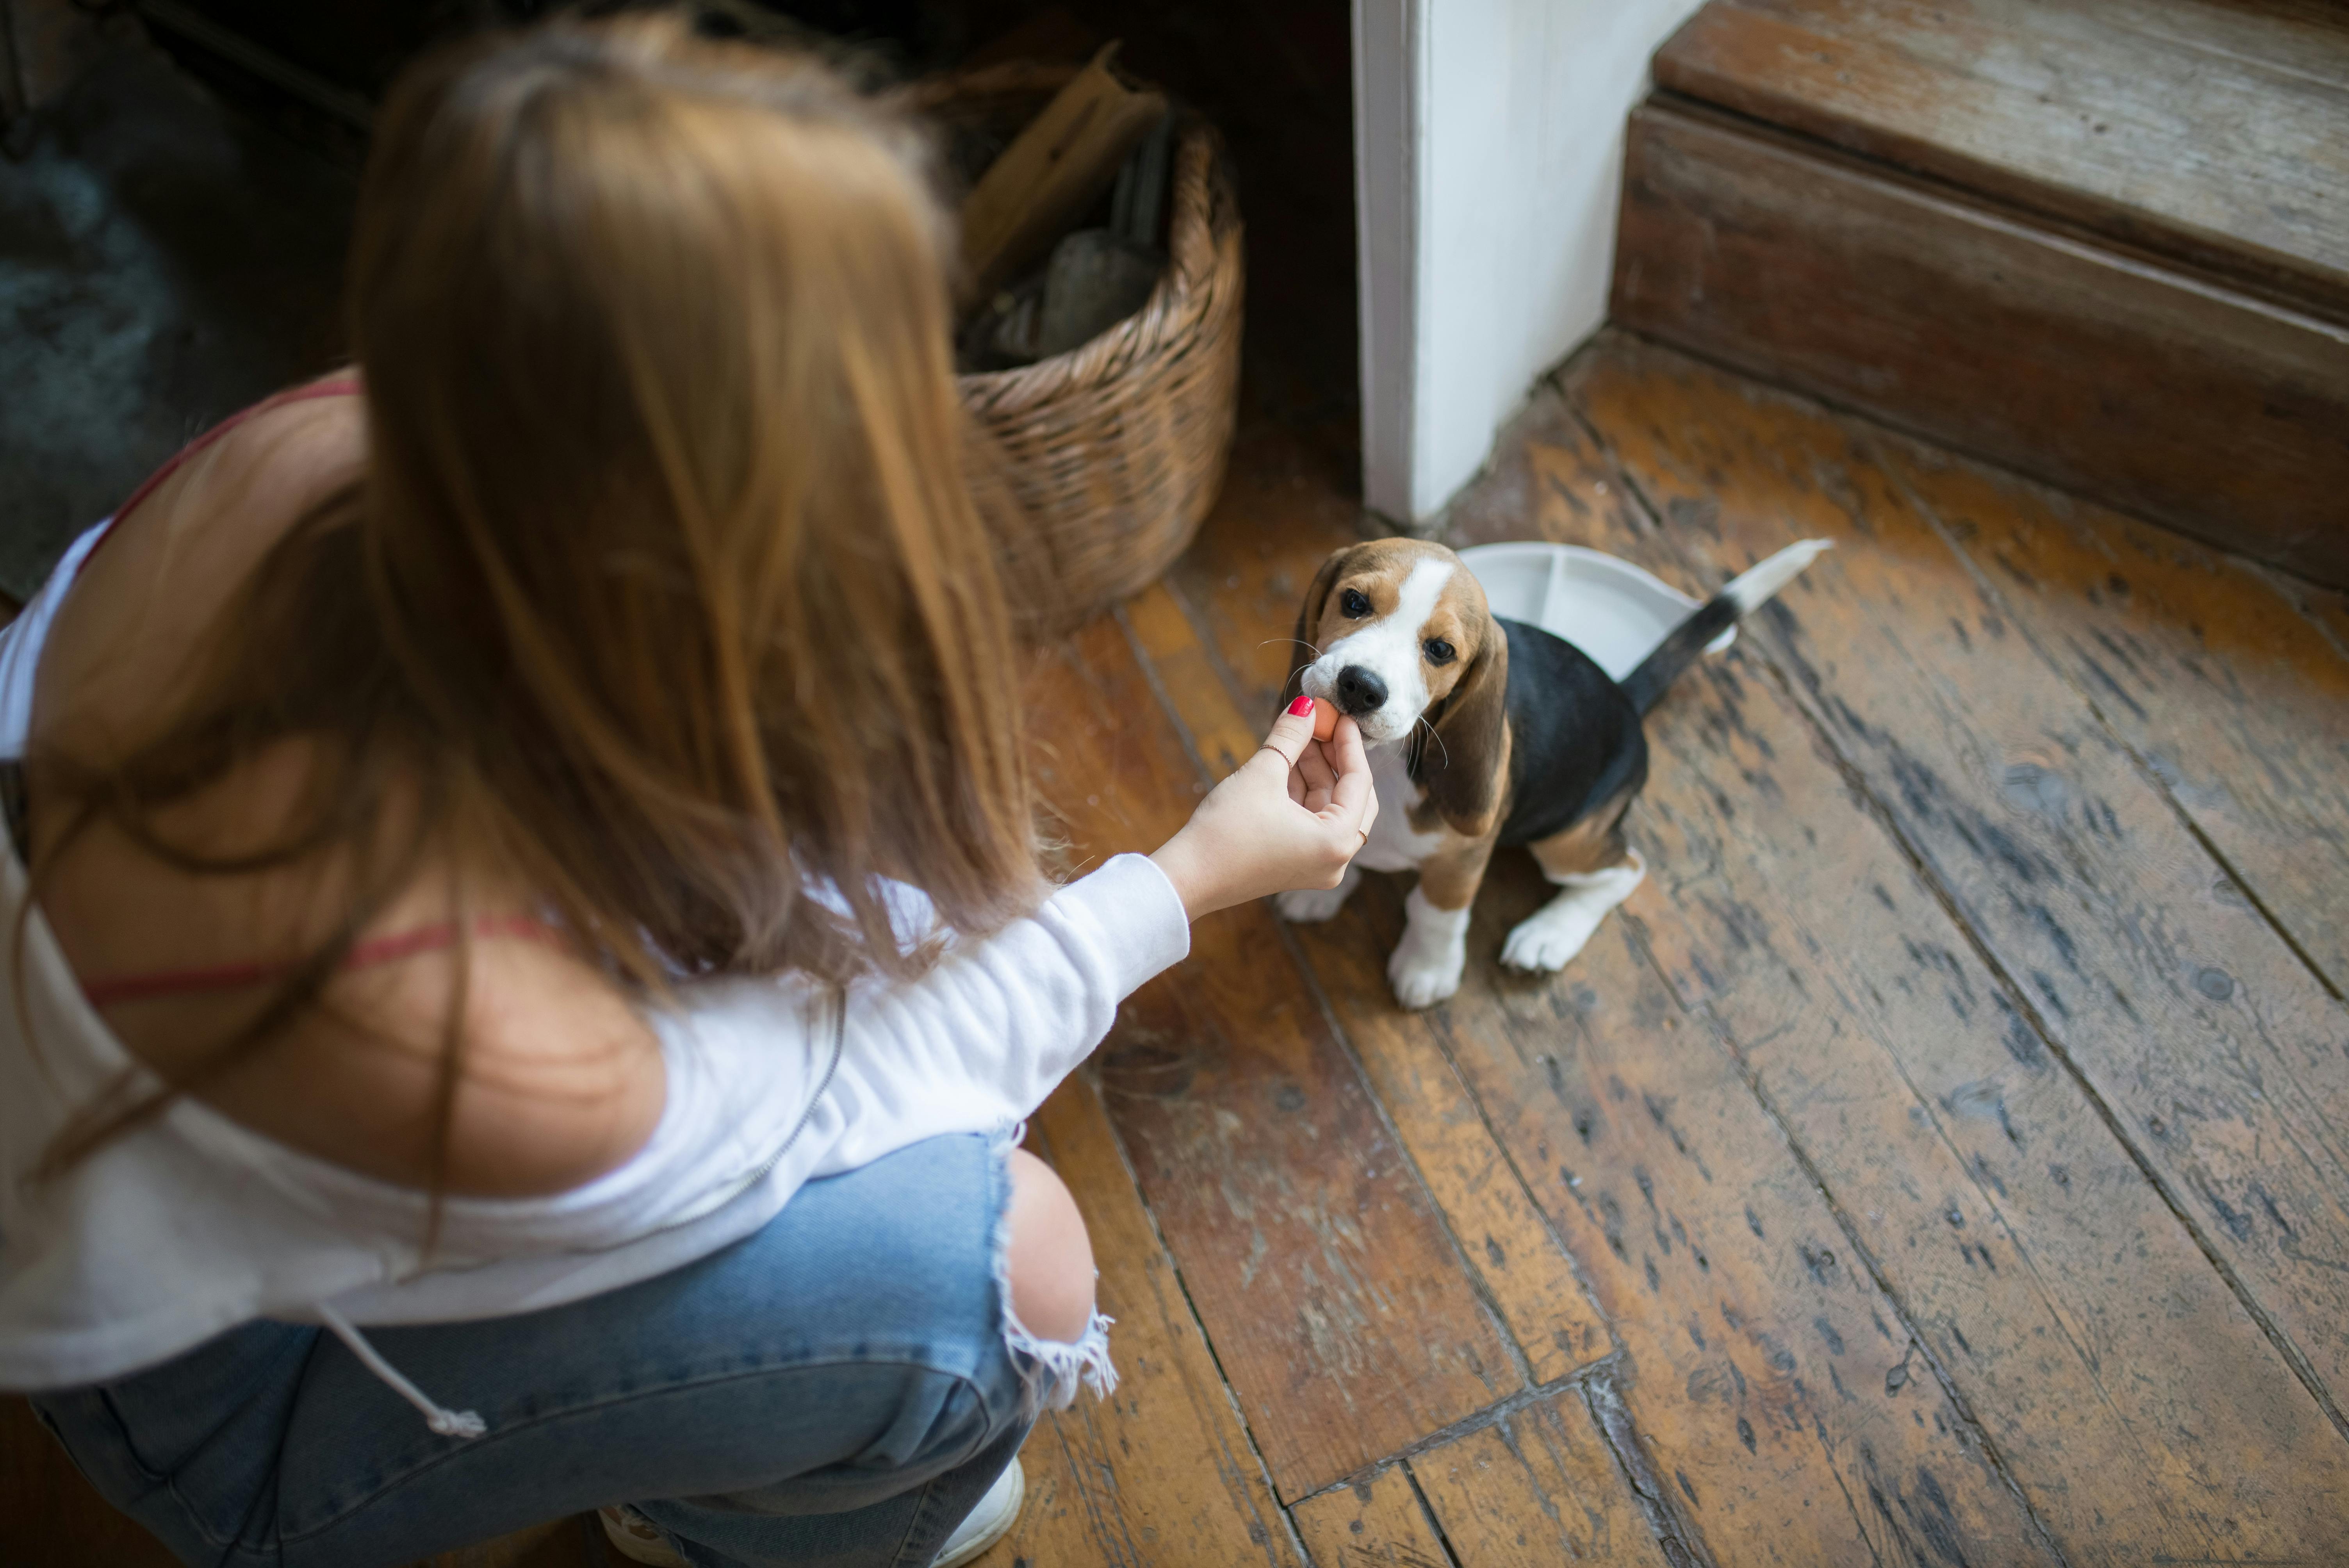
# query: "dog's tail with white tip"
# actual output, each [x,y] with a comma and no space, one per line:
[1745,593]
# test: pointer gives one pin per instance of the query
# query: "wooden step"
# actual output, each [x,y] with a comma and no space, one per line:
[2213,133]
[2104,244]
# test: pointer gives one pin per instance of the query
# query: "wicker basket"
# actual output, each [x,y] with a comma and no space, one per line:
[1116,448]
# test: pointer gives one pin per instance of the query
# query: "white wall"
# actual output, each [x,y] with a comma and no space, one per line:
[1489,151]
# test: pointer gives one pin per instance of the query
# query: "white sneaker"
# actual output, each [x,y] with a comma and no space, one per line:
[639,1540]
[987,1524]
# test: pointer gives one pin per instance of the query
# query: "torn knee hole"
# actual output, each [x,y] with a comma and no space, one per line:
[1044,1279]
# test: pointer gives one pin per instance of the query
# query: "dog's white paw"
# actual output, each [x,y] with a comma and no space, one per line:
[1309,905]
[1421,980]
[1426,964]
[1546,941]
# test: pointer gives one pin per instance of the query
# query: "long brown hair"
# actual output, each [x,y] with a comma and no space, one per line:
[662,591]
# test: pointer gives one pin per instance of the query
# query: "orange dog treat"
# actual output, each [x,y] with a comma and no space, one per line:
[1325,718]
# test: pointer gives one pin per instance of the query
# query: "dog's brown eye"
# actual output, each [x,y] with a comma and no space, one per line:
[1353,604]
[1439,651]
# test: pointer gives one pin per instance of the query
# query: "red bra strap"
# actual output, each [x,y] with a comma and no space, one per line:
[106,992]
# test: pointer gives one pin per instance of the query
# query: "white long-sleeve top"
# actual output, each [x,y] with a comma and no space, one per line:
[191,1224]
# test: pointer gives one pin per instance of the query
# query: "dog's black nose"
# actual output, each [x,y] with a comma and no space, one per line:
[1359,691]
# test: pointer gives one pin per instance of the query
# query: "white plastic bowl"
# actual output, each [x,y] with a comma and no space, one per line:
[1606,606]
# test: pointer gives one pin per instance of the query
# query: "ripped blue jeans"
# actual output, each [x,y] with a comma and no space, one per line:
[840,1389]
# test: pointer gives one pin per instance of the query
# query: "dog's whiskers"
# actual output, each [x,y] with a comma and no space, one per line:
[1299,641]
[1422,721]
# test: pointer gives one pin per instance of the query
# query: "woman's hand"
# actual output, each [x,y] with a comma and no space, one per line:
[1291,817]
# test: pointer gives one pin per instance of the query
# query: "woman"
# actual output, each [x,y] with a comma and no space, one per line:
[533,910]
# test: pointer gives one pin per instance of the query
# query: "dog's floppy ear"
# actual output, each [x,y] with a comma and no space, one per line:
[1302,649]
[1464,762]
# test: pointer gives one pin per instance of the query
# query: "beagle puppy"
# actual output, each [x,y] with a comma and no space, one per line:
[1484,732]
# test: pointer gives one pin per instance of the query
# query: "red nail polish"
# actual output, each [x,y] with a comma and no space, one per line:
[1300,707]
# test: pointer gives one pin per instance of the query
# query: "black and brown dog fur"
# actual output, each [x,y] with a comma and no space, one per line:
[1485,732]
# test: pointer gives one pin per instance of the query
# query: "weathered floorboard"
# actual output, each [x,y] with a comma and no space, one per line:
[1774,1389]
[1375,1521]
[2221,1059]
[2196,660]
[1340,1308]
[1221,735]
[1535,1489]
[1508,1240]
[2326,609]
[2141,1420]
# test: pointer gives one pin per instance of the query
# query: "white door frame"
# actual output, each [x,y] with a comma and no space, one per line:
[1387,100]
[1488,154]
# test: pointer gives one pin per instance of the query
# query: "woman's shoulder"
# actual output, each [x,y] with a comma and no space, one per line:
[168,565]
[255,471]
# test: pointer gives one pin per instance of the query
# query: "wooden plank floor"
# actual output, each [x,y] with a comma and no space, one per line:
[1942,1159]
